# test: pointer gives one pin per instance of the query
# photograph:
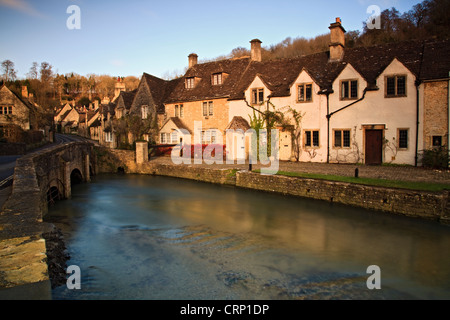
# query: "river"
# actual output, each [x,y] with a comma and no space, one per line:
[158,238]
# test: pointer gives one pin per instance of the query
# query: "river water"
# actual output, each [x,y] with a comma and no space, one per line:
[144,237]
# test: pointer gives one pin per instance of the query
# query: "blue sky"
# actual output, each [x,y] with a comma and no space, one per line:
[122,38]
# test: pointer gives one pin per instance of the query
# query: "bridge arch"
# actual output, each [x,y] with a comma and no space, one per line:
[55,191]
[76,177]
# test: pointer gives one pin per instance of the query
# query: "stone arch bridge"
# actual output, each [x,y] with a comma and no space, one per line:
[54,170]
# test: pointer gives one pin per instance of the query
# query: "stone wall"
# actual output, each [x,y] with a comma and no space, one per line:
[421,204]
[435,112]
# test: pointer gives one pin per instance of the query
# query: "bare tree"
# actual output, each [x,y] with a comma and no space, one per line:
[33,73]
[9,73]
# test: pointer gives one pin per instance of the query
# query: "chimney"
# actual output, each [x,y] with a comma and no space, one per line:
[24,92]
[193,59]
[256,50]
[337,45]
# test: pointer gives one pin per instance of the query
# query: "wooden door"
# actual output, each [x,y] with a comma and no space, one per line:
[374,147]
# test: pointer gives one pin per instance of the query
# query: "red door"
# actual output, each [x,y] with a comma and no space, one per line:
[374,146]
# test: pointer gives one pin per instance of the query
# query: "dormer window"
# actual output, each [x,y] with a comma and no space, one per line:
[217,79]
[395,86]
[305,92]
[190,83]
[349,89]
[257,96]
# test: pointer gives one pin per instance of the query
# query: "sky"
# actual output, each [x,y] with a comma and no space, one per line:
[130,37]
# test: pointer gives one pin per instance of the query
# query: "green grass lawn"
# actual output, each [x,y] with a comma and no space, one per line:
[423,186]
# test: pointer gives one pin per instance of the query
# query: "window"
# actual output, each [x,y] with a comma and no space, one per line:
[349,89]
[108,137]
[174,137]
[403,138]
[181,111]
[437,141]
[217,79]
[144,110]
[6,109]
[190,83]
[305,92]
[211,108]
[163,139]
[176,111]
[395,86]
[209,136]
[312,139]
[342,138]
[257,96]
[208,108]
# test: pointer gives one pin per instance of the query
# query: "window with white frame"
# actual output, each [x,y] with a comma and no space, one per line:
[163,138]
[144,110]
[176,111]
[209,136]
[174,136]
[190,83]
[181,111]
[109,137]
[217,79]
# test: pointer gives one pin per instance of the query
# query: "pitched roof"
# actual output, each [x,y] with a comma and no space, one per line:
[425,59]
[25,101]
[127,98]
[177,121]
[436,60]
[160,90]
[204,89]
[238,123]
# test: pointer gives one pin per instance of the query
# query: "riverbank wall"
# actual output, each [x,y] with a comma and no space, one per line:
[412,203]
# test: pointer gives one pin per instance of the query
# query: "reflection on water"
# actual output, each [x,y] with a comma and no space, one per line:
[143,237]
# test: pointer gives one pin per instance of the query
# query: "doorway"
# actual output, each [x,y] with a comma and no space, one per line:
[374,147]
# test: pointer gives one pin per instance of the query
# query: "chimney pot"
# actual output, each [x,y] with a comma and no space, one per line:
[256,50]
[193,60]
[24,92]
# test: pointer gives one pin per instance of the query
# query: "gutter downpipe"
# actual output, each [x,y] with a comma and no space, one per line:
[328,127]
[329,115]
[416,157]
[448,109]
